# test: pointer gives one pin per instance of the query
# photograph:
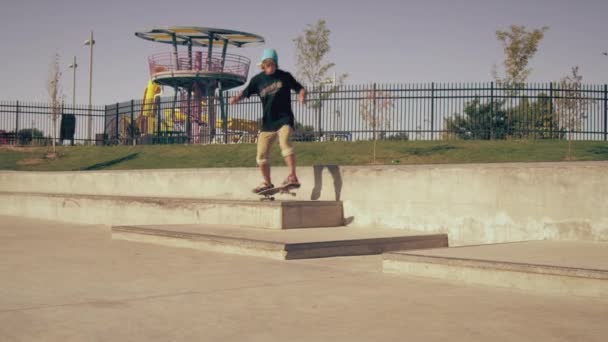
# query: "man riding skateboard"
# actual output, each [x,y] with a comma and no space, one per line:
[274,87]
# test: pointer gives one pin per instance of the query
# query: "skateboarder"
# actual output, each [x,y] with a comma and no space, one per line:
[274,87]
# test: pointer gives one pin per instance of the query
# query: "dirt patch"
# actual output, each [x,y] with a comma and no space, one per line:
[18,148]
[30,161]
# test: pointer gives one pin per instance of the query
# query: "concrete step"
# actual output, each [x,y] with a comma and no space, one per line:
[282,245]
[554,267]
[128,210]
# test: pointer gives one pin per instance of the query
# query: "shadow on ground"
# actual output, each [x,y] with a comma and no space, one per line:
[599,151]
[427,151]
[109,163]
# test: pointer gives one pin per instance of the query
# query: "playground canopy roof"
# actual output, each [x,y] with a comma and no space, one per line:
[200,36]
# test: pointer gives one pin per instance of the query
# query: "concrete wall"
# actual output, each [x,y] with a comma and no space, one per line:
[474,203]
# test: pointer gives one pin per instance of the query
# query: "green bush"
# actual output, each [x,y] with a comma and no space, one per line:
[303,133]
[480,121]
[534,120]
[399,136]
[489,121]
[28,136]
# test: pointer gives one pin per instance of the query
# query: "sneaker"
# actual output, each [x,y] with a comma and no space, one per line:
[263,186]
[291,182]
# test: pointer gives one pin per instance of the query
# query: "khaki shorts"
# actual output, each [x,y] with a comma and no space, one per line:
[266,139]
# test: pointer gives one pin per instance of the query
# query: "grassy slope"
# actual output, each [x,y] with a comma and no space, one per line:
[355,153]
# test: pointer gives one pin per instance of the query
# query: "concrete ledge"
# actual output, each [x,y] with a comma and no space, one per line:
[280,245]
[120,210]
[473,203]
[208,242]
[559,277]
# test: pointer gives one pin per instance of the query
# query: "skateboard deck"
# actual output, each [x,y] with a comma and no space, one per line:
[268,195]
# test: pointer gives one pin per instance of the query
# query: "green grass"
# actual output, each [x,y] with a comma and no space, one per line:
[341,153]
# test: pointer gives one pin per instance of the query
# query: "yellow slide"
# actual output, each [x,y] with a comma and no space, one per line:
[147,108]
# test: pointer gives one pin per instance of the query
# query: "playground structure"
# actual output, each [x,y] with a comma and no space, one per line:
[199,78]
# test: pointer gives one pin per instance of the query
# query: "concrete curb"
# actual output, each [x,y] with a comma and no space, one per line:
[544,279]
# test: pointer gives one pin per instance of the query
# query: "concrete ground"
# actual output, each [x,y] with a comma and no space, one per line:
[61,282]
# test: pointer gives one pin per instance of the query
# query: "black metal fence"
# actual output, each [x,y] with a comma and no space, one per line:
[432,111]
[25,123]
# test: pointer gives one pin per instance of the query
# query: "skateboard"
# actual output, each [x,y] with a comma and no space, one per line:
[269,194]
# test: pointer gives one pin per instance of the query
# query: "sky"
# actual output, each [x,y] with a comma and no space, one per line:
[383,41]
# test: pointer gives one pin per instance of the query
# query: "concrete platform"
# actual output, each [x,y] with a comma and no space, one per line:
[555,267]
[126,210]
[282,245]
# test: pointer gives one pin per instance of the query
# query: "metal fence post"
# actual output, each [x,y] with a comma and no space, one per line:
[319,110]
[117,122]
[432,110]
[605,112]
[173,108]
[105,121]
[374,119]
[158,113]
[224,109]
[492,110]
[60,119]
[132,126]
[189,117]
[551,110]
[16,122]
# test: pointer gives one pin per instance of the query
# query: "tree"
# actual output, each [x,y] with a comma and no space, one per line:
[571,105]
[545,125]
[54,91]
[533,119]
[483,121]
[519,45]
[312,47]
[374,110]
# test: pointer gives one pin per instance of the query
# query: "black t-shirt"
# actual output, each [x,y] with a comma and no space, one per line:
[275,92]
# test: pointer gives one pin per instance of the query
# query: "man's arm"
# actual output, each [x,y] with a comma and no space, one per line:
[302,96]
[248,91]
[295,85]
[236,98]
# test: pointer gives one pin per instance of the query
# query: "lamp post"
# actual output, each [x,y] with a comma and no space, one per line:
[73,66]
[90,42]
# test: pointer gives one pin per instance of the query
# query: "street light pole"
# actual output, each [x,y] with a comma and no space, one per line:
[90,42]
[73,66]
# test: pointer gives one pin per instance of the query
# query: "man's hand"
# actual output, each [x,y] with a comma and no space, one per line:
[302,97]
[235,99]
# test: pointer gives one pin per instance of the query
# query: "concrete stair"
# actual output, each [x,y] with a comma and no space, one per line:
[548,267]
[275,229]
[128,210]
[280,244]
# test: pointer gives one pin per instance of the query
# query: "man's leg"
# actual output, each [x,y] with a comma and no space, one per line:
[290,160]
[288,153]
[265,141]
[265,170]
